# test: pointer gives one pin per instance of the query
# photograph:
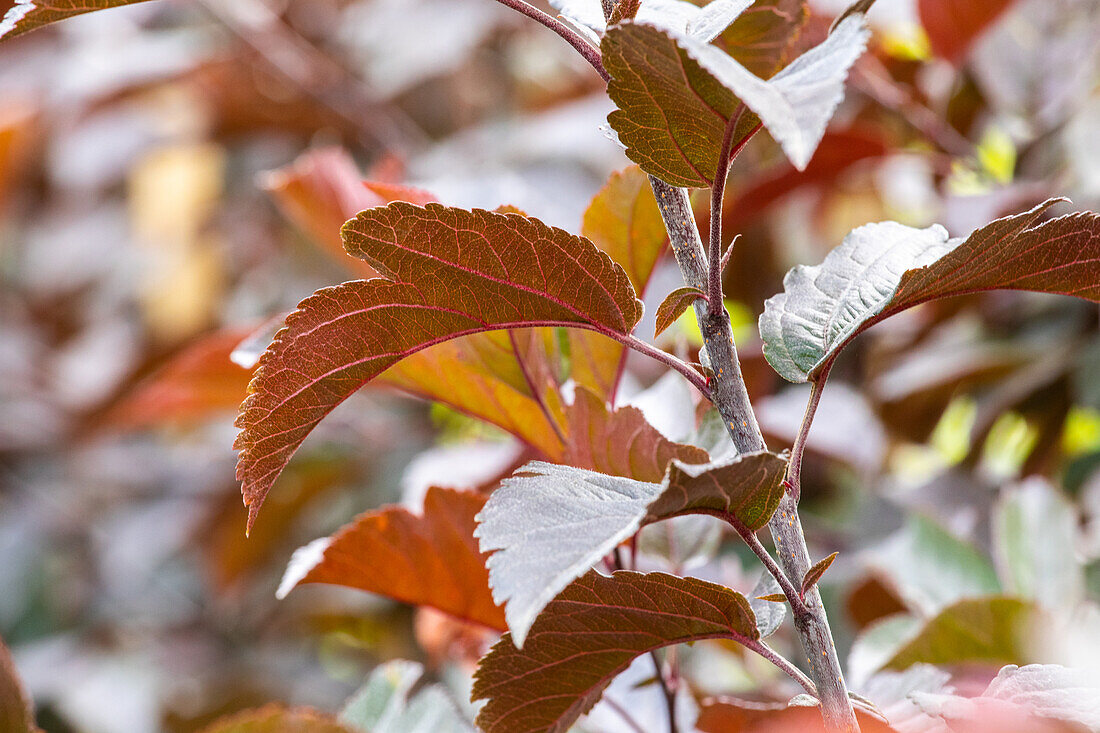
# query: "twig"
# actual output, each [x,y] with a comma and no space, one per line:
[590,53]
[794,467]
[798,607]
[670,694]
[536,389]
[627,718]
[717,193]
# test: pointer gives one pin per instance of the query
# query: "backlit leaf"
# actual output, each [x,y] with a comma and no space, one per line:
[428,560]
[881,269]
[809,580]
[622,220]
[199,381]
[676,95]
[953,25]
[674,305]
[16,715]
[278,719]
[26,15]
[452,272]
[589,634]
[991,630]
[548,524]
[762,37]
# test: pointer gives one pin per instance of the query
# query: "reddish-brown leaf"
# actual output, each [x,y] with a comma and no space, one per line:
[26,15]
[763,37]
[622,220]
[16,715]
[427,560]
[278,719]
[620,442]
[199,381]
[954,25]
[482,374]
[674,305]
[590,633]
[452,273]
[721,715]
[809,580]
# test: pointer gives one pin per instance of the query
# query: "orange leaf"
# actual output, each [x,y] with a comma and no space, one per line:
[431,560]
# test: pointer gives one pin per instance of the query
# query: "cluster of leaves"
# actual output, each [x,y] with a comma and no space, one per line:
[525,326]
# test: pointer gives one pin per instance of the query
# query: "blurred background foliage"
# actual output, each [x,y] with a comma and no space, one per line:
[168,172]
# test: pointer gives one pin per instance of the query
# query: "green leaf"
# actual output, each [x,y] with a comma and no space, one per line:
[1034,543]
[384,704]
[991,630]
[451,272]
[674,305]
[932,568]
[26,15]
[278,719]
[16,714]
[881,269]
[809,580]
[427,560]
[676,95]
[549,524]
[591,633]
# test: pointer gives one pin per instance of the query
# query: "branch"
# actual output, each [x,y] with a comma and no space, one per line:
[793,481]
[730,397]
[590,53]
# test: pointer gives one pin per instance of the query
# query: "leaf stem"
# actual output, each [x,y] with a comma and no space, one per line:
[696,379]
[794,467]
[590,53]
[783,664]
[729,395]
[717,193]
[536,389]
[798,607]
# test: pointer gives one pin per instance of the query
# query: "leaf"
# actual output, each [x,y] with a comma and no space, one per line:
[199,381]
[953,25]
[932,568]
[27,15]
[704,23]
[809,580]
[762,37]
[430,560]
[384,704]
[991,630]
[1037,690]
[16,713]
[451,272]
[278,719]
[676,95]
[622,220]
[548,524]
[620,442]
[1034,544]
[589,634]
[732,715]
[881,269]
[674,305]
